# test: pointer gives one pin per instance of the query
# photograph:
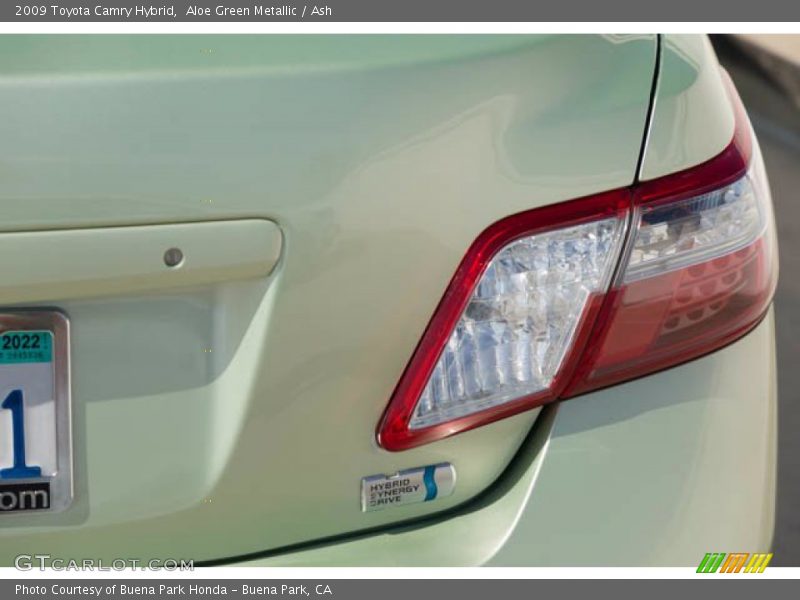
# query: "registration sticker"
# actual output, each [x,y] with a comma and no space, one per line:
[411,486]
[35,428]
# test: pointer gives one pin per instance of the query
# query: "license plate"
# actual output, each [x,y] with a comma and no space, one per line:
[35,423]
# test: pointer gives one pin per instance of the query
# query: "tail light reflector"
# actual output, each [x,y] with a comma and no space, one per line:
[568,298]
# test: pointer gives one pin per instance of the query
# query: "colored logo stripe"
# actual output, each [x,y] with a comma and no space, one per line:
[711,562]
[430,483]
[734,563]
[758,563]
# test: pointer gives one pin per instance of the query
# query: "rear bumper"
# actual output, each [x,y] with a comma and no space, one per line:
[657,471]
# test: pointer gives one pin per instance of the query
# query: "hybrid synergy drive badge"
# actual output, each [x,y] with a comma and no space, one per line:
[422,484]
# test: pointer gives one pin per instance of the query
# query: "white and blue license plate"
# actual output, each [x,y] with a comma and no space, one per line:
[35,422]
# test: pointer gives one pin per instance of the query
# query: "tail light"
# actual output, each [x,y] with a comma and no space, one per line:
[565,299]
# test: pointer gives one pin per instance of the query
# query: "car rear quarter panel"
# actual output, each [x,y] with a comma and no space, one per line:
[653,472]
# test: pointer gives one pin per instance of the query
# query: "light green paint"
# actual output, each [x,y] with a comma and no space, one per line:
[103,261]
[113,56]
[693,119]
[380,159]
[646,473]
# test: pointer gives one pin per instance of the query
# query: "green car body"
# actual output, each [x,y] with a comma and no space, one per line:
[229,414]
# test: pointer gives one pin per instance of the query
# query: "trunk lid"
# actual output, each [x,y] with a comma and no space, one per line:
[227,415]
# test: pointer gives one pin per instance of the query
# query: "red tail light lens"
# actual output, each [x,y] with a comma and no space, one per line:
[533,315]
[702,271]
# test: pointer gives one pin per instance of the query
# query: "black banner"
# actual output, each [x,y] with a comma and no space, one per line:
[400,11]
[368,589]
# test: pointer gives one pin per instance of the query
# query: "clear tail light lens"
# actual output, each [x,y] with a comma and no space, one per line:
[521,319]
[565,299]
[675,235]
[505,334]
